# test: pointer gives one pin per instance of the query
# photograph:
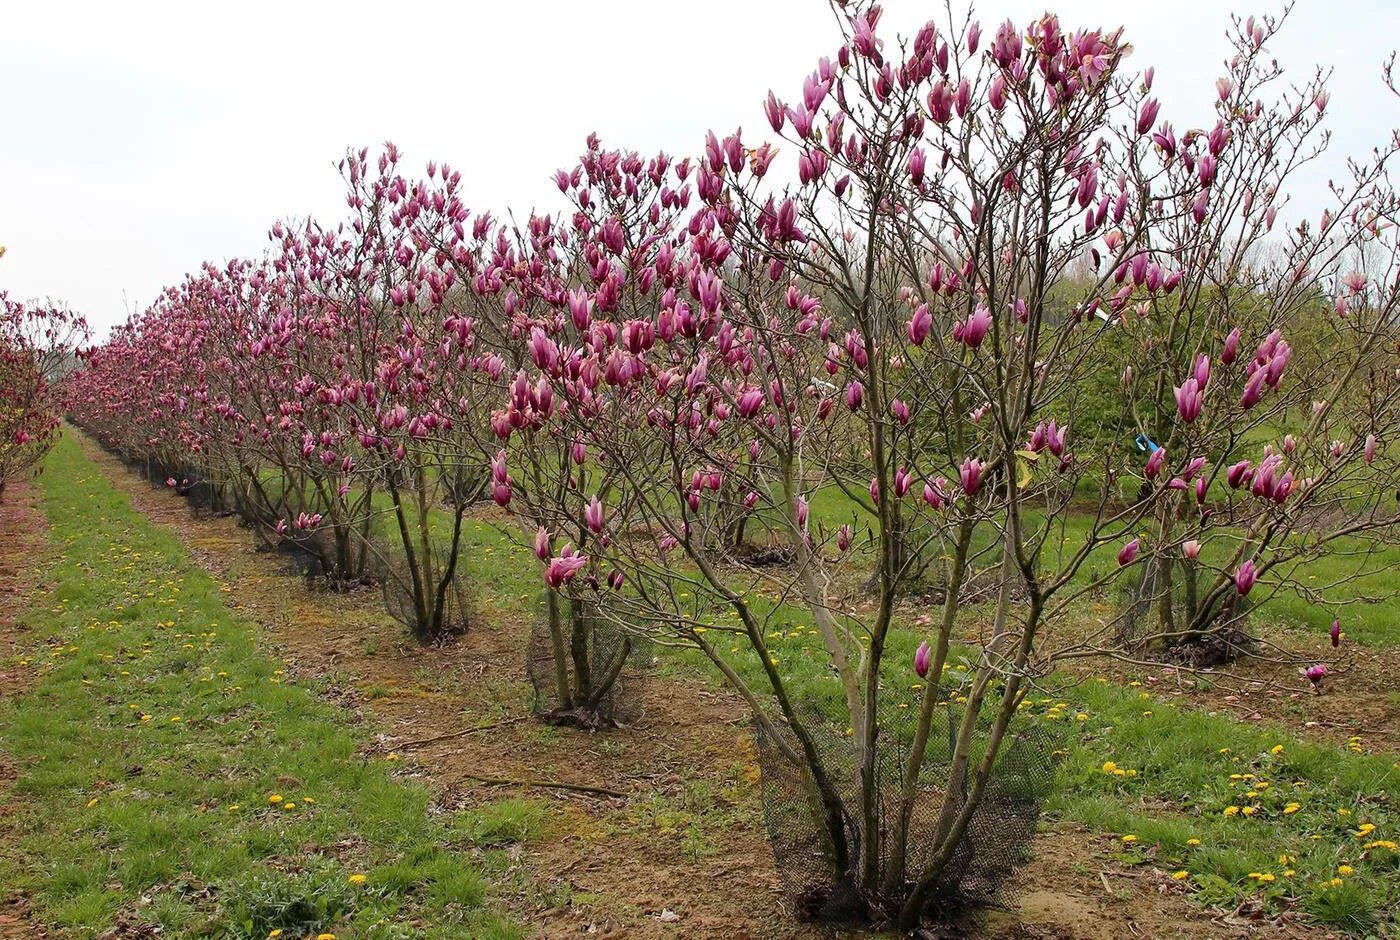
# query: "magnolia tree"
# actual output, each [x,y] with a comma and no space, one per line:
[37,343]
[1262,465]
[581,302]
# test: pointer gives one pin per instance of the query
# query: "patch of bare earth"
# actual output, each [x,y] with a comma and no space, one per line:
[22,529]
[679,851]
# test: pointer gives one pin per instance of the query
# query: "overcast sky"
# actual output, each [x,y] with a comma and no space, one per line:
[144,138]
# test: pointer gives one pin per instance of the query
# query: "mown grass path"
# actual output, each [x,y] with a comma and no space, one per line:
[167,776]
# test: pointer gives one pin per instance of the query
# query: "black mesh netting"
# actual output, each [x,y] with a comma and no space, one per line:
[603,667]
[1162,617]
[978,873]
[445,609]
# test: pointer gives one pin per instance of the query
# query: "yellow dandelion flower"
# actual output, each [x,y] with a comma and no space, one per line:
[356,879]
[275,798]
[1129,839]
[1232,811]
[1193,841]
[1250,810]
[1276,749]
[1180,875]
[1291,808]
[1345,870]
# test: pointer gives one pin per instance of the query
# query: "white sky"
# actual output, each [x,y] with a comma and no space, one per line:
[143,138]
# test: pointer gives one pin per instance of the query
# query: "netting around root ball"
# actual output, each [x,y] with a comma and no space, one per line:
[979,872]
[604,668]
[1222,638]
[444,612]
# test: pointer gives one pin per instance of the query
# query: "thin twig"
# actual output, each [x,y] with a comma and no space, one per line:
[548,784]
[456,734]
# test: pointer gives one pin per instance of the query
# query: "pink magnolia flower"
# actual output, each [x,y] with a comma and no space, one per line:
[855,394]
[970,474]
[1232,347]
[1239,474]
[1128,552]
[1189,398]
[919,325]
[1245,578]
[1253,389]
[593,515]
[1154,463]
[976,327]
[542,543]
[750,401]
[1147,115]
[843,537]
[1191,549]
[564,567]
[1369,452]
[903,478]
[935,494]
[1316,673]
[1335,633]
[923,659]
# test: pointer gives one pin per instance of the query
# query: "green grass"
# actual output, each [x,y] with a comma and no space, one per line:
[1272,816]
[172,773]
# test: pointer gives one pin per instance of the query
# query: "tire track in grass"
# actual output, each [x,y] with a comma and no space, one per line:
[169,776]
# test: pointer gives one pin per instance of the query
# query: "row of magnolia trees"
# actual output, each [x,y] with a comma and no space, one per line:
[970,288]
[38,342]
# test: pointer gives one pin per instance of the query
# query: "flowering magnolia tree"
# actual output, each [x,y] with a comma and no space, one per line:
[1264,465]
[37,344]
[848,381]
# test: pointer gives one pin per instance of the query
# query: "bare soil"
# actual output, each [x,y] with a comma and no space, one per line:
[680,852]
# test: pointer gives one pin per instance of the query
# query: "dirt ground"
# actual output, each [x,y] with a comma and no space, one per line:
[22,543]
[680,852]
